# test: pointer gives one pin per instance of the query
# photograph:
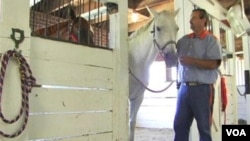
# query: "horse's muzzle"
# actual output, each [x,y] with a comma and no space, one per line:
[170,59]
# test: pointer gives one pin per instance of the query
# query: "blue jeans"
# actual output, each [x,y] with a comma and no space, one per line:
[194,102]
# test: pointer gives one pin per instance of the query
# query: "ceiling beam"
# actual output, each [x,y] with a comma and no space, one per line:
[132,26]
[219,13]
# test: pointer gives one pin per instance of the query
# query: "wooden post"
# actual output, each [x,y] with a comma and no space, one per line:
[13,14]
[118,41]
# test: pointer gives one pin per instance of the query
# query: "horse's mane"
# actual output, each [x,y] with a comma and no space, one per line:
[86,31]
[141,29]
[86,35]
[51,29]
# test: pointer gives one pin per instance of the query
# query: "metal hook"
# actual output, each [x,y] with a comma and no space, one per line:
[13,37]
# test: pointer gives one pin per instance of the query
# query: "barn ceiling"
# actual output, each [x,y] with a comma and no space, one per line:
[139,5]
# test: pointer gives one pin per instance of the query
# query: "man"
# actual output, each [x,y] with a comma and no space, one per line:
[199,56]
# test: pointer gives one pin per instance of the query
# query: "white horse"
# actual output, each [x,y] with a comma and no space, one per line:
[158,35]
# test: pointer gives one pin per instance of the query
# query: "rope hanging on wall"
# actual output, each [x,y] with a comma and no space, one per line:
[27,82]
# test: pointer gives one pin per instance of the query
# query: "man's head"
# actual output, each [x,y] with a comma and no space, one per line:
[199,19]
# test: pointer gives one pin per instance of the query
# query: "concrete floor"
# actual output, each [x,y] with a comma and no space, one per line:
[154,134]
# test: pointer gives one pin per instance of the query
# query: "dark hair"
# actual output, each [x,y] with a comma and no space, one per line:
[203,14]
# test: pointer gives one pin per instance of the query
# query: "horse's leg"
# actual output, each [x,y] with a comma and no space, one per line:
[134,107]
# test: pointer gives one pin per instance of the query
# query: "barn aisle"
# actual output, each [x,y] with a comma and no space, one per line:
[155,116]
[154,134]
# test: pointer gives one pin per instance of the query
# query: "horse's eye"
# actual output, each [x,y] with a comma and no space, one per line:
[158,28]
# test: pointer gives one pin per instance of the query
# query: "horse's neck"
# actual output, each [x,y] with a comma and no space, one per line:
[57,28]
[142,51]
[53,29]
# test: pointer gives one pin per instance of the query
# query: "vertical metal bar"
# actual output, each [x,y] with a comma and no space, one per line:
[101,32]
[79,25]
[33,15]
[99,21]
[58,19]
[107,29]
[84,10]
[69,18]
[96,32]
[46,17]
[89,21]
[96,20]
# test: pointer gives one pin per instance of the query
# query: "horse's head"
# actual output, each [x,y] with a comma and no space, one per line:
[164,32]
[82,30]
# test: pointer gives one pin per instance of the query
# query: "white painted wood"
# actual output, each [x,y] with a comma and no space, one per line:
[246,44]
[67,100]
[98,137]
[71,69]
[215,127]
[70,53]
[94,108]
[13,15]
[73,75]
[118,32]
[232,107]
[49,126]
[183,16]
[76,70]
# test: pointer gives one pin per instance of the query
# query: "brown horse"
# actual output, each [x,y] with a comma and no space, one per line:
[77,30]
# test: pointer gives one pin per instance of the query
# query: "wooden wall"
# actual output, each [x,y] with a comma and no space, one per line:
[84,90]
[81,106]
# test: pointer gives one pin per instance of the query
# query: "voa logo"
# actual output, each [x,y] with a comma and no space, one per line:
[236,132]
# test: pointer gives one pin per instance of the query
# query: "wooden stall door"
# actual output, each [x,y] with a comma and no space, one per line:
[84,93]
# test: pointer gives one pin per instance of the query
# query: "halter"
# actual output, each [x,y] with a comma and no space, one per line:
[161,53]
[72,35]
[157,44]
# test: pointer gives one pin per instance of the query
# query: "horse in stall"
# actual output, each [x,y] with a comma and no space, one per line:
[75,29]
[157,36]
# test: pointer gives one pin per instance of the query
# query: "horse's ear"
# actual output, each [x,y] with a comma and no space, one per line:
[70,13]
[152,12]
[176,11]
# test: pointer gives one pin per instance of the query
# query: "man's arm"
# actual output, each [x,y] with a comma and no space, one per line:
[200,63]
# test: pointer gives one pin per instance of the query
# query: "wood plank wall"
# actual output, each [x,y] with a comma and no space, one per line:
[80,107]
[91,103]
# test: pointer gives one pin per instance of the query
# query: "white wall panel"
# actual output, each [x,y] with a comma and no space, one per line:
[66,100]
[52,126]
[65,64]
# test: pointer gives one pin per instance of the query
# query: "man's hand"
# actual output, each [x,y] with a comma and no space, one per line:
[186,60]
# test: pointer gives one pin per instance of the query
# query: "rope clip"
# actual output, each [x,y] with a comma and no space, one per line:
[13,37]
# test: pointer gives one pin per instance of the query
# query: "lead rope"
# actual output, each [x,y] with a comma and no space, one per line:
[154,91]
[160,50]
[27,82]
